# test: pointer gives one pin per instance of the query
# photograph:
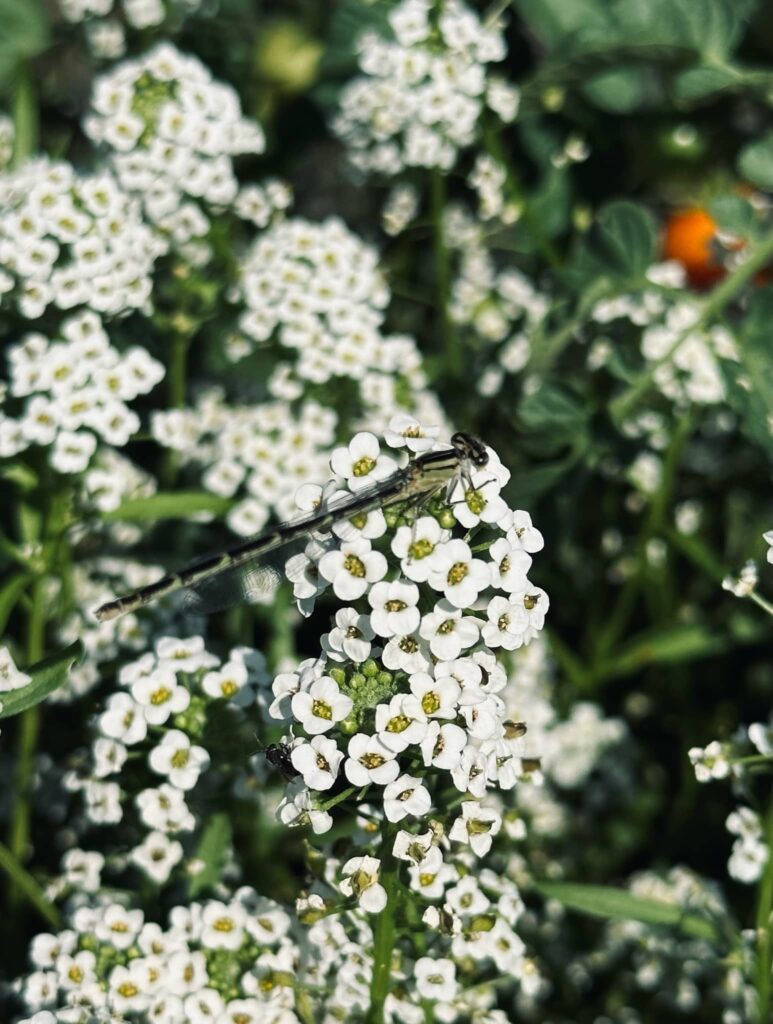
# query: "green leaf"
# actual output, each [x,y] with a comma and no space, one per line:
[667,647]
[711,26]
[750,385]
[755,163]
[621,905]
[629,237]
[10,592]
[20,474]
[554,410]
[212,850]
[702,82]
[733,213]
[24,34]
[47,676]
[620,90]
[173,505]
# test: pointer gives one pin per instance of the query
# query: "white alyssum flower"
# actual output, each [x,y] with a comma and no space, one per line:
[350,638]
[319,708]
[157,855]
[448,631]
[160,695]
[458,575]
[435,979]
[407,431]
[361,880]
[477,826]
[178,759]
[362,463]
[370,761]
[395,610]
[223,925]
[420,548]
[352,568]
[711,762]
[406,797]
[317,761]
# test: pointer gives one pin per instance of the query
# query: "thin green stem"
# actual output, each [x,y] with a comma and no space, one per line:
[653,525]
[546,349]
[179,343]
[762,602]
[29,728]
[25,116]
[23,884]
[453,355]
[384,937]
[764,907]
[624,404]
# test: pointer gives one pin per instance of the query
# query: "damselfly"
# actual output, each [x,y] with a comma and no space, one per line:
[421,479]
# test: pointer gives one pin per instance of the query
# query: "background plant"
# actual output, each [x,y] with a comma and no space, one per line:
[545,223]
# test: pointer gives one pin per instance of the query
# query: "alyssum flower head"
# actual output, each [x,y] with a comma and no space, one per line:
[404,702]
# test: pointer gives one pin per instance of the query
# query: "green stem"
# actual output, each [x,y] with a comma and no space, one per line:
[176,374]
[764,906]
[624,404]
[451,348]
[384,937]
[545,350]
[626,601]
[25,116]
[762,602]
[29,727]
[23,884]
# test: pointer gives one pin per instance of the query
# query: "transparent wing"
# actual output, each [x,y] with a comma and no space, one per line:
[256,580]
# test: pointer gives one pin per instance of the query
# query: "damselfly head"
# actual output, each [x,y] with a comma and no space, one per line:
[470,448]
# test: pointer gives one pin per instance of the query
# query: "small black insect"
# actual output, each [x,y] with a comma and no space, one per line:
[278,755]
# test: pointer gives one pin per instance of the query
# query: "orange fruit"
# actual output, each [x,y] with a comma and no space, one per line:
[688,239]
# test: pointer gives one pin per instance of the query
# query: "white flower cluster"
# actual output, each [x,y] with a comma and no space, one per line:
[677,972]
[317,289]
[161,710]
[422,94]
[217,962]
[68,240]
[74,391]
[750,850]
[501,307]
[569,748]
[471,913]
[407,696]
[105,20]
[172,132]
[258,453]
[691,370]
[717,760]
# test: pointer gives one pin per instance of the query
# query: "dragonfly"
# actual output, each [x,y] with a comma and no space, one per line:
[423,478]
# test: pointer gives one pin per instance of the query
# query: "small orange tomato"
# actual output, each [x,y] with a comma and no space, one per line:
[688,239]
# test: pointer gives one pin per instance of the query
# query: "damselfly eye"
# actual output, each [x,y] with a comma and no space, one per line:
[470,448]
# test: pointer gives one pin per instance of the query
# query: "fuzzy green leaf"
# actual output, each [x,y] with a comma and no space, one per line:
[621,905]
[212,850]
[180,505]
[755,163]
[47,676]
